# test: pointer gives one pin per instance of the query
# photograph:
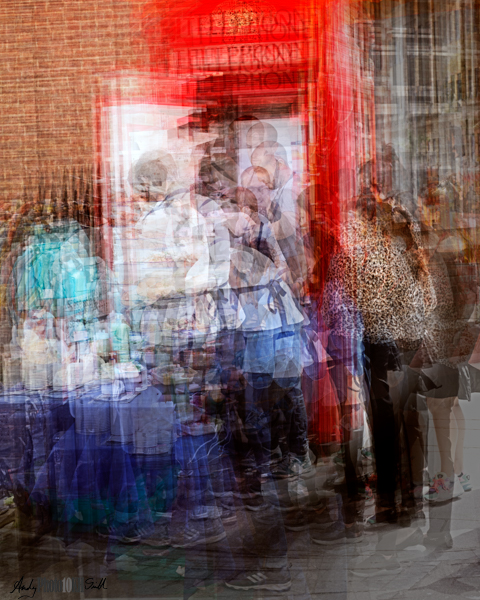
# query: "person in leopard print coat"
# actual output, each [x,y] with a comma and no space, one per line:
[378,287]
[377,296]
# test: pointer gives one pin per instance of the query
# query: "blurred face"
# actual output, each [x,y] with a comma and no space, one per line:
[263,157]
[38,322]
[261,192]
[255,136]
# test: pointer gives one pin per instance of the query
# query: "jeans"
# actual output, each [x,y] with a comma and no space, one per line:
[293,435]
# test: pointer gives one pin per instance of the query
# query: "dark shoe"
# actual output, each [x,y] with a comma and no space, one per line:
[320,519]
[338,534]
[305,519]
[281,470]
[382,517]
[275,580]
[124,533]
[199,513]
[255,504]
[297,521]
[159,538]
[249,486]
[228,516]
[301,466]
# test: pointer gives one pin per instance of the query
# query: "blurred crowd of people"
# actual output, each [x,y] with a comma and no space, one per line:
[234,354]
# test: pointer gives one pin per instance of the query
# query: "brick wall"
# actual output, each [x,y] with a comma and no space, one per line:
[53,55]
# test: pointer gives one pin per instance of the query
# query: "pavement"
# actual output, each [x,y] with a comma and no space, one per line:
[317,572]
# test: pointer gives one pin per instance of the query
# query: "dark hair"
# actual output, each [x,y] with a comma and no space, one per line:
[367,204]
[244,197]
[153,173]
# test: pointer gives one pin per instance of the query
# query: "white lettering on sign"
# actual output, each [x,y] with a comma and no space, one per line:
[245,57]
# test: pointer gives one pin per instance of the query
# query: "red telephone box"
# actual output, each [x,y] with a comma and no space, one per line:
[301,70]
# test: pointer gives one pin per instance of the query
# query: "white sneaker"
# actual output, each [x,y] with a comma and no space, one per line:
[444,489]
[376,565]
[301,466]
[465,482]
[457,487]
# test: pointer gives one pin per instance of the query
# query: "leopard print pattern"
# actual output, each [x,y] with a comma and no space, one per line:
[375,287]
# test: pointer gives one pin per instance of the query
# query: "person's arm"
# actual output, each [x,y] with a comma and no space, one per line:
[277,255]
[420,261]
[285,226]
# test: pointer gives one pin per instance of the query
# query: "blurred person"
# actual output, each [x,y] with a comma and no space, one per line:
[217,176]
[274,412]
[279,205]
[271,369]
[153,175]
[370,326]
[176,285]
[234,139]
[259,133]
[249,229]
[444,355]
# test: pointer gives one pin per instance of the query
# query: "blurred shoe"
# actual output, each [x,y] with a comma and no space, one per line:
[438,541]
[331,483]
[297,521]
[320,520]
[368,495]
[457,487]
[223,494]
[443,489]
[248,461]
[414,539]
[274,580]
[337,533]
[138,532]
[190,536]
[205,512]
[339,480]
[249,485]
[255,504]
[162,515]
[383,517]
[465,482]
[7,516]
[228,516]
[125,533]
[276,454]
[301,466]
[159,538]
[306,519]
[338,459]
[227,504]
[376,565]
[367,454]
[281,468]
[419,491]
